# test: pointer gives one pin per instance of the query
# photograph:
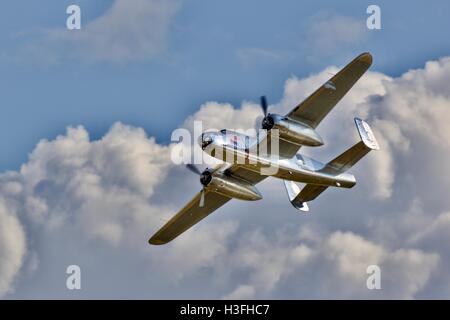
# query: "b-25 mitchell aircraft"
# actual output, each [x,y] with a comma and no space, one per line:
[236,178]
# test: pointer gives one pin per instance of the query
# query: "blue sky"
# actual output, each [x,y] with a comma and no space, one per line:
[215,50]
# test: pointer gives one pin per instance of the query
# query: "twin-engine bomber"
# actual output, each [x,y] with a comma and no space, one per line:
[238,175]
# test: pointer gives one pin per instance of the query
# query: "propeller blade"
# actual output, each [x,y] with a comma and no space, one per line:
[194,169]
[202,198]
[264,105]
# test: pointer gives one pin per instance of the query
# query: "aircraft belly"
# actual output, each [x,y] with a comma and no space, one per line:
[290,170]
[347,181]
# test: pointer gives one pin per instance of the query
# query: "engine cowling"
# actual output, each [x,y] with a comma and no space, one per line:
[292,130]
[230,186]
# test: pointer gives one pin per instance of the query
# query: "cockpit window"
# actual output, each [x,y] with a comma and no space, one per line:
[223,131]
[206,140]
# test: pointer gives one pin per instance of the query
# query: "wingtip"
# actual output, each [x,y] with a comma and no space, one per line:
[155,241]
[366,58]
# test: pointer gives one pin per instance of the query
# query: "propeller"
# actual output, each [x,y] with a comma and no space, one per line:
[267,122]
[205,179]
[202,198]
[193,168]
[264,105]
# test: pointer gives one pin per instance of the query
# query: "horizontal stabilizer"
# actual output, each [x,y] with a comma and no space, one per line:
[299,198]
[351,156]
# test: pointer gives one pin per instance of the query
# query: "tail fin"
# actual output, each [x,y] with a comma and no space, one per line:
[350,157]
[366,134]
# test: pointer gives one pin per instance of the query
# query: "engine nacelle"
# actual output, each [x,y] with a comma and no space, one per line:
[294,131]
[233,188]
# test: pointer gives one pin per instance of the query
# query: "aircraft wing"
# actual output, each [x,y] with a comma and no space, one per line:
[246,174]
[312,110]
[286,149]
[188,216]
[192,213]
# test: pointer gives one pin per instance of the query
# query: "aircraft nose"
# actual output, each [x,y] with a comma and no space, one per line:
[205,140]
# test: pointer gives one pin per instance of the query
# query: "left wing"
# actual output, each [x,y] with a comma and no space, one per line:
[192,213]
[188,216]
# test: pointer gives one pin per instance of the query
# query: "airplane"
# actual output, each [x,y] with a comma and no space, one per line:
[237,176]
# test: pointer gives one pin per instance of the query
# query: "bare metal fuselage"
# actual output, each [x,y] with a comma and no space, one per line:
[299,168]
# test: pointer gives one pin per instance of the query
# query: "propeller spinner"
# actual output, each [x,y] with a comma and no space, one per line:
[267,122]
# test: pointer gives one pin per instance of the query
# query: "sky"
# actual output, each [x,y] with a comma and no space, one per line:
[85,166]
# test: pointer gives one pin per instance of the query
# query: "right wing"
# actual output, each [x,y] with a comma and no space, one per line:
[314,108]
[188,216]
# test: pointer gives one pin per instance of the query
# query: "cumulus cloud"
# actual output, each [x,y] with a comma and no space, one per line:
[241,292]
[336,262]
[76,198]
[128,31]
[100,192]
[242,118]
[99,186]
[12,247]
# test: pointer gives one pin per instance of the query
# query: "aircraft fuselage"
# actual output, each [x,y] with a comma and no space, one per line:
[237,148]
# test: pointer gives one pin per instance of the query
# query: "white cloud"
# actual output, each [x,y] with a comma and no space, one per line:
[197,250]
[241,292]
[101,191]
[337,263]
[409,271]
[12,247]
[111,194]
[242,118]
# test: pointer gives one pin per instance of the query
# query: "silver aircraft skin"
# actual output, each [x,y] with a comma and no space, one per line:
[249,160]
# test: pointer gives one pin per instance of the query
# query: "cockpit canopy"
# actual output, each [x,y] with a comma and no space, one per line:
[224,137]
[206,139]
